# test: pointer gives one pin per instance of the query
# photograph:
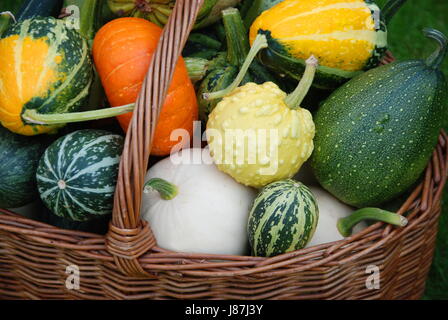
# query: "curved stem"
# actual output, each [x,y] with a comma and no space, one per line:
[259,43]
[390,9]
[5,20]
[345,225]
[197,68]
[166,190]
[10,14]
[33,117]
[236,36]
[294,99]
[436,59]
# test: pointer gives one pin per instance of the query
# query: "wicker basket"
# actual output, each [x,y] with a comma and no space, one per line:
[127,264]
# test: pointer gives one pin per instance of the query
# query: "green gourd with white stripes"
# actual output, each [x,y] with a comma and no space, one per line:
[283,218]
[77,174]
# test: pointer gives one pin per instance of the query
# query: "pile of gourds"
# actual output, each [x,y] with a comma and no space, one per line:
[278,171]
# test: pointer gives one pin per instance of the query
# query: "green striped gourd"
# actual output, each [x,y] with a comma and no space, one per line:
[45,68]
[77,174]
[283,218]
[376,134]
[19,157]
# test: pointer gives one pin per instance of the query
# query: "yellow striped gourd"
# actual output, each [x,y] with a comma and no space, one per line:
[44,66]
[346,36]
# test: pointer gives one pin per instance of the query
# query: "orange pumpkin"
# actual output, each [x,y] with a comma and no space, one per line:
[122,51]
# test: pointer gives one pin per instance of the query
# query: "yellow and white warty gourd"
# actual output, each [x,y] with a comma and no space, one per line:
[193,207]
[258,134]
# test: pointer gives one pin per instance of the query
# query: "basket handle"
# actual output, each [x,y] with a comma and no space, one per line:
[129,237]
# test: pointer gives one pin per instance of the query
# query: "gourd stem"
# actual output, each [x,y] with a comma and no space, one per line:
[88,11]
[259,43]
[10,14]
[5,19]
[197,68]
[294,99]
[166,190]
[345,225]
[436,59]
[236,37]
[33,117]
[390,9]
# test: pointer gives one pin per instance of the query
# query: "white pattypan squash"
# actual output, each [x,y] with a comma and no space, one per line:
[331,210]
[195,208]
[337,220]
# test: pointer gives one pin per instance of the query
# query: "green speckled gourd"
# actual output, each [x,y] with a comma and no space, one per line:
[375,134]
[283,218]
[77,174]
[45,68]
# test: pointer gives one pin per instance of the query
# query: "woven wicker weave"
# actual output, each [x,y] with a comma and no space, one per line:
[127,264]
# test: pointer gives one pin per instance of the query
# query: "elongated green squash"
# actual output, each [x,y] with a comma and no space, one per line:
[45,67]
[375,134]
[283,218]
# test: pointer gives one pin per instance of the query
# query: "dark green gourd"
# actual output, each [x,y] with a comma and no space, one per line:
[38,8]
[19,157]
[375,134]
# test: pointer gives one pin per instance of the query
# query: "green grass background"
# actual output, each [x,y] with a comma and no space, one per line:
[407,42]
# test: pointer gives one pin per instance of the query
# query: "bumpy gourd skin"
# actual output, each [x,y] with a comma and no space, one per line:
[283,136]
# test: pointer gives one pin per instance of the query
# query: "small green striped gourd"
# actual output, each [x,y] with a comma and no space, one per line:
[77,174]
[45,67]
[283,218]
